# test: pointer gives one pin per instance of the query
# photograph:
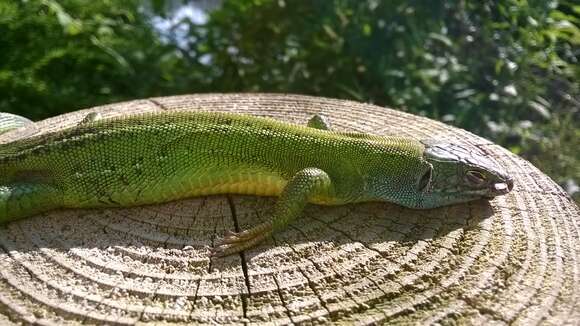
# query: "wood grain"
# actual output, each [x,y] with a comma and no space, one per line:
[513,260]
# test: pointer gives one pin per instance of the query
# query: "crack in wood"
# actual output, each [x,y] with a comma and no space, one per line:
[279,291]
[242,258]
[321,271]
[209,265]
[311,284]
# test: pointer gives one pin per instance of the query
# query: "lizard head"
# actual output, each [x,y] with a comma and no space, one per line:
[458,174]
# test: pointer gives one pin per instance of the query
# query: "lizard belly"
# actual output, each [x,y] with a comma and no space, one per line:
[259,184]
[110,192]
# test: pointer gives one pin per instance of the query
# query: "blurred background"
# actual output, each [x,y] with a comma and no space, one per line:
[506,70]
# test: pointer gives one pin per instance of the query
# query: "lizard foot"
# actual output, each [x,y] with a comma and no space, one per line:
[236,242]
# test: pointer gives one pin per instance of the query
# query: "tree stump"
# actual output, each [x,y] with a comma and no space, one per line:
[513,259]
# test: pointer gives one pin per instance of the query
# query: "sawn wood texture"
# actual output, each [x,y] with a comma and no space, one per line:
[513,260]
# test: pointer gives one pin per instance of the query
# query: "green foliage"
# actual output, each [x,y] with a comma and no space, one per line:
[468,62]
[507,70]
[58,56]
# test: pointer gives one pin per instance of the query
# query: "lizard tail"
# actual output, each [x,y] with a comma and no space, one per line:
[23,194]
[9,121]
[26,199]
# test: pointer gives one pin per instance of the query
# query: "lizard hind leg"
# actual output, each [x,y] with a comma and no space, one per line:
[21,200]
[304,185]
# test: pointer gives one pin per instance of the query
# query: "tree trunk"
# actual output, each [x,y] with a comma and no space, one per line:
[511,260]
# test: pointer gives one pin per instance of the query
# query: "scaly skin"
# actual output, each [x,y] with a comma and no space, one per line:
[10,121]
[154,158]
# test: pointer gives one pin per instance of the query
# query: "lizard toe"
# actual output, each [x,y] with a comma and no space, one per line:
[235,244]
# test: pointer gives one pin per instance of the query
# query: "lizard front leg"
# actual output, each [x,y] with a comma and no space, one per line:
[319,121]
[303,186]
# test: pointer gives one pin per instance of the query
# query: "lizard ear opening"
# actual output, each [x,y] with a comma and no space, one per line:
[425,179]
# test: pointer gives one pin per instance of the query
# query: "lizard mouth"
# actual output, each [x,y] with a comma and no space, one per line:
[501,188]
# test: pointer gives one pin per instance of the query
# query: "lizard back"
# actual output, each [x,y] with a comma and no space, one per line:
[151,158]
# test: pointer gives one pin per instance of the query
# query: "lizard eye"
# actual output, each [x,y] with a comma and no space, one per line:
[425,179]
[475,177]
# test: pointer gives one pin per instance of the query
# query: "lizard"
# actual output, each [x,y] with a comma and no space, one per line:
[9,121]
[152,158]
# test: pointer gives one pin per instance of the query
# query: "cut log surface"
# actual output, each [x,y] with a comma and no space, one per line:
[512,260]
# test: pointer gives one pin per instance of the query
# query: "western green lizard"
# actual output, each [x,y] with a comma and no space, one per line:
[160,157]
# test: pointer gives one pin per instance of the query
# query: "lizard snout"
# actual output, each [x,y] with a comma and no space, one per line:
[501,188]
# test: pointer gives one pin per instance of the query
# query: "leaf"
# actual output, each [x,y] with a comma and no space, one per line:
[540,109]
[70,25]
[465,93]
[367,30]
[441,38]
[330,32]
[110,51]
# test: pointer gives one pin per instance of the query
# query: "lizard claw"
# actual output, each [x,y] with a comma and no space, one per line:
[236,237]
[226,249]
[218,251]
[230,233]
[231,238]
[236,242]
